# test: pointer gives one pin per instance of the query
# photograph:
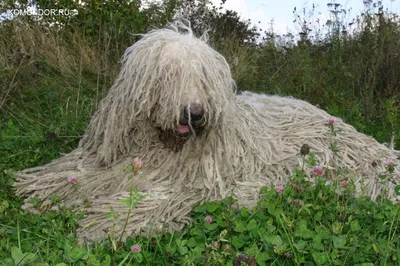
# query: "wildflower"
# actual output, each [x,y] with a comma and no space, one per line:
[296,203]
[317,170]
[73,180]
[364,172]
[331,121]
[137,165]
[215,244]
[279,189]
[391,166]
[305,149]
[227,248]
[344,183]
[137,162]
[208,219]
[136,248]
[37,150]
[288,255]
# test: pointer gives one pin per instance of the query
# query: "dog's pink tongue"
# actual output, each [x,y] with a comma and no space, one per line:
[183,129]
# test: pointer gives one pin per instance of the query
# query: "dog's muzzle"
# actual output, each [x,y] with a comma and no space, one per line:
[192,119]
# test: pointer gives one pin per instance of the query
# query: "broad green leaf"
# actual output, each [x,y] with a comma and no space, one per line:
[192,242]
[197,230]
[16,253]
[22,258]
[4,205]
[240,226]
[339,242]
[324,234]
[171,249]
[318,216]
[77,253]
[212,207]
[289,223]
[303,232]
[375,247]
[181,243]
[397,190]
[280,249]
[272,209]
[138,257]
[183,250]
[276,240]
[252,225]
[300,245]
[252,250]
[237,242]
[262,257]
[127,202]
[320,257]
[337,228]
[92,260]
[107,261]
[355,226]
[271,228]
[317,243]
[210,227]
[244,212]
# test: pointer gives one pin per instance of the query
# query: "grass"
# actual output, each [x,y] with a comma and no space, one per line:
[303,224]
[54,81]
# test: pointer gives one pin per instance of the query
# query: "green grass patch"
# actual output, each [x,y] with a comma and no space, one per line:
[302,225]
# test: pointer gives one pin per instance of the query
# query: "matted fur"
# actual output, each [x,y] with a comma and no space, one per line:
[247,141]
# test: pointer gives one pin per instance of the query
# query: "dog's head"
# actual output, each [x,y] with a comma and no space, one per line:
[176,81]
[171,84]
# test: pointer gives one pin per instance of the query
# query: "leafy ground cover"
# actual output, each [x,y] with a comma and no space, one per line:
[300,224]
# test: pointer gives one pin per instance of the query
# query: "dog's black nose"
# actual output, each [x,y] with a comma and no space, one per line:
[196,112]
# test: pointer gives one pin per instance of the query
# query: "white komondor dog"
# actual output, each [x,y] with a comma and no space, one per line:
[174,106]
